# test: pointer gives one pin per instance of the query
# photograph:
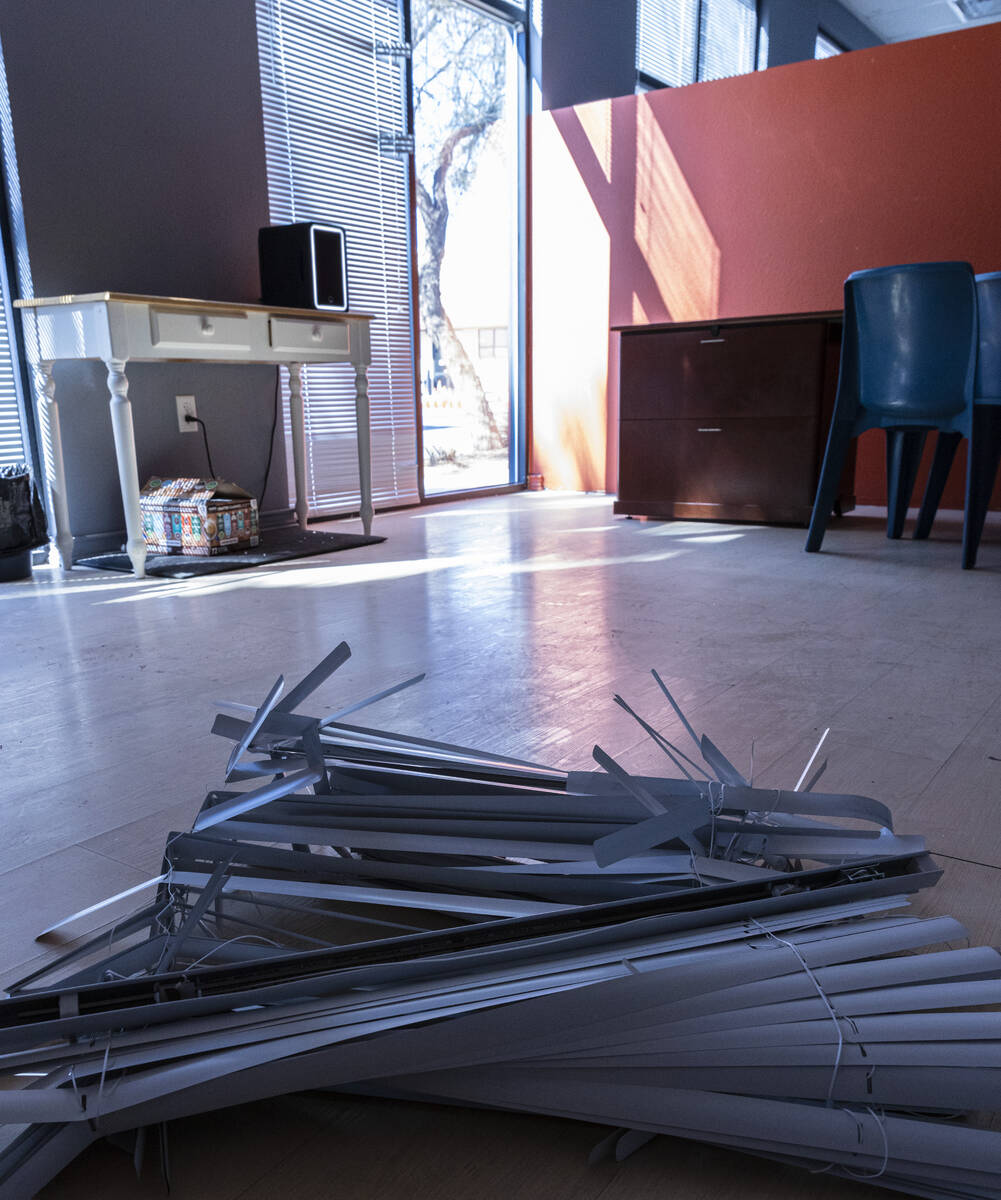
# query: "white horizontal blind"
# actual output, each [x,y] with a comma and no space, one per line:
[13,441]
[12,447]
[726,38]
[667,40]
[329,97]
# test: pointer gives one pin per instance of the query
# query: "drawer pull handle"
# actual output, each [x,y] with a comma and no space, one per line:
[710,341]
[711,429]
[316,334]
[207,326]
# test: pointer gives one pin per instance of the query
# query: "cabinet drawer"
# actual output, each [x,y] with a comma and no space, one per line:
[736,371]
[296,333]
[732,468]
[176,329]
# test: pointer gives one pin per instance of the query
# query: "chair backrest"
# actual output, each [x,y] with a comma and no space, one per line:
[915,329]
[988,380]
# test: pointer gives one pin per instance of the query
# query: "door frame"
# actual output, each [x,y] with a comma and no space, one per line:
[526,46]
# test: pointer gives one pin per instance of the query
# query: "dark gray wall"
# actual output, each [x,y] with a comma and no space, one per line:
[588,51]
[834,19]
[141,152]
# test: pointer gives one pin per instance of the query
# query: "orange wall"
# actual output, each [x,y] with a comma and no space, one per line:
[749,196]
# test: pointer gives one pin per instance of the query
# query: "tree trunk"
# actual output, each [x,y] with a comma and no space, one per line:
[433,208]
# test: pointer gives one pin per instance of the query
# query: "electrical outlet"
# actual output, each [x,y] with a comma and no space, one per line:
[185,409]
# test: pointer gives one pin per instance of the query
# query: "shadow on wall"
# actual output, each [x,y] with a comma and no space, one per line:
[593,166]
[671,261]
[579,460]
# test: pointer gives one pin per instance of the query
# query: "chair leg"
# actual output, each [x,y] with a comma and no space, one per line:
[903,455]
[982,459]
[945,451]
[838,441]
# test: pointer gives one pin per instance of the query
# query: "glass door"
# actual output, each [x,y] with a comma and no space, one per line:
[467,90]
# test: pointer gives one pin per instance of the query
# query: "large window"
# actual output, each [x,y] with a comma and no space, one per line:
[468,81]
[682,41]
[333,83]
[334,80]
[13,442]
[14,447]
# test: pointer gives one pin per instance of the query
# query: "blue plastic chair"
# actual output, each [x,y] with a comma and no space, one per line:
[908,350]
[984,453]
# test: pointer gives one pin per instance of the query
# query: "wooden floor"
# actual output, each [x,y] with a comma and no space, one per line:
[529,612]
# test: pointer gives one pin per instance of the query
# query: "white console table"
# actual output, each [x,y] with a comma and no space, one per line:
[117,329]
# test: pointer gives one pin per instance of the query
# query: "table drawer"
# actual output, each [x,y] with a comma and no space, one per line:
[178,329]
[742,371]
[294,333]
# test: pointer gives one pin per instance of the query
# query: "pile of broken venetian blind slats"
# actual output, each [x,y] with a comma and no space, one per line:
[372,912]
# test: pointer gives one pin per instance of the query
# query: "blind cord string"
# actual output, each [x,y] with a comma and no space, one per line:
[880,1123]
[827,1004]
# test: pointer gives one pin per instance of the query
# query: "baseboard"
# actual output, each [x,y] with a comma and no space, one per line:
[277,518]
[86,544]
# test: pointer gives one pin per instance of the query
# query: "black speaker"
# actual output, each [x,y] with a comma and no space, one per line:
[303,266]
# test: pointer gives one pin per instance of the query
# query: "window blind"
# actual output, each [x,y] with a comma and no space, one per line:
[726,38]
[667,40]
[12,447]
[13,439]
[332,86]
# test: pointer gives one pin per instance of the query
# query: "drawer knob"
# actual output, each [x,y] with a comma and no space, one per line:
[317,334]
[207,326]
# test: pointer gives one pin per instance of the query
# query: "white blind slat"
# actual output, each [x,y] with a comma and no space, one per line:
[326,99]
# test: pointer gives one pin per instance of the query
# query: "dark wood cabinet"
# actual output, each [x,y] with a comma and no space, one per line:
[727,420]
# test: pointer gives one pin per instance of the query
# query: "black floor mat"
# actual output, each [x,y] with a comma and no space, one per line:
[276,546]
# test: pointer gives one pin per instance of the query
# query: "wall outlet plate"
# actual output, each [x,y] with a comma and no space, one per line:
[185,409]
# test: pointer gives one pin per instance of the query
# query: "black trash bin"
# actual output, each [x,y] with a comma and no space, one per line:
[22,522]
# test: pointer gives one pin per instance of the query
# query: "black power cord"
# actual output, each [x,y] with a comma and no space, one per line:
[208,453]
[271,442]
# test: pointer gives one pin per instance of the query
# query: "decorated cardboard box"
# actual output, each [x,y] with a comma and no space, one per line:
[197,516]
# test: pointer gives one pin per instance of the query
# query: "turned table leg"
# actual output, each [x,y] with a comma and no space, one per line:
[54,468]
[128,472]
[298,423]
[363,423]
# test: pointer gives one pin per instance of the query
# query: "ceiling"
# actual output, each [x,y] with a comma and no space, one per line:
[898,20]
